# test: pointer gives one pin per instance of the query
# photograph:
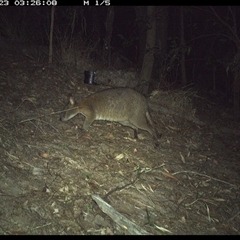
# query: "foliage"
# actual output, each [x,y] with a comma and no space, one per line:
[169,64]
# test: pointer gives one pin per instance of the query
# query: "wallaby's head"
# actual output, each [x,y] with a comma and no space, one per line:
[69,111]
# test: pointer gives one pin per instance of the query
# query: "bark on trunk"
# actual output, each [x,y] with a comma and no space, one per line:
[148,59]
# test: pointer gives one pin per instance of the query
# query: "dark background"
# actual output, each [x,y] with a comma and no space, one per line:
[211,49]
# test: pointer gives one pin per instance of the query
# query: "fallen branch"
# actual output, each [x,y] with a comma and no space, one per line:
[117,217]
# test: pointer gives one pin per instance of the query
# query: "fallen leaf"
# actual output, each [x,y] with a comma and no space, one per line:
[120,156]
[169,175]
[44,155]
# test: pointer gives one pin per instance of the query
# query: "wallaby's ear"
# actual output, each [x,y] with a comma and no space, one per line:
[71,101]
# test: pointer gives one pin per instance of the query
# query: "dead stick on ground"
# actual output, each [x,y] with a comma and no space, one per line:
[204,175]
[117,217]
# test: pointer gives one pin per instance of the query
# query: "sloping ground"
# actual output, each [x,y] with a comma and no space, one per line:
[49,169]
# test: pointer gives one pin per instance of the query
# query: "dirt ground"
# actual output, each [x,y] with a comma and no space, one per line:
[50,170]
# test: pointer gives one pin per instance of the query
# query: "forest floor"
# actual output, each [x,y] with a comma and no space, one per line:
[51,172]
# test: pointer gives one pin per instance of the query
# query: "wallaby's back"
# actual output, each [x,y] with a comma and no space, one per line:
[123,105]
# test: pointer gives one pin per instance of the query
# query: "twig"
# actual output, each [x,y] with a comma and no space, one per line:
[49,124]
[231,29]
[44,115]
[45,225]
[38,128]
[17,158]
[230,219]
[119,188]
[36,119]
[204,175]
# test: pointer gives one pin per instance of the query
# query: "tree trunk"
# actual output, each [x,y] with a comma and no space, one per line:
[96,27]
[159,73]
[50,56]
[148,59]
[233,35]
[141,15]
[236,87]
[109,29]
[183,66]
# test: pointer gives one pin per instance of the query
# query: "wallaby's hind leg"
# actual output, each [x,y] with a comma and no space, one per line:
[128,124]
[149,119]
[145,123]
